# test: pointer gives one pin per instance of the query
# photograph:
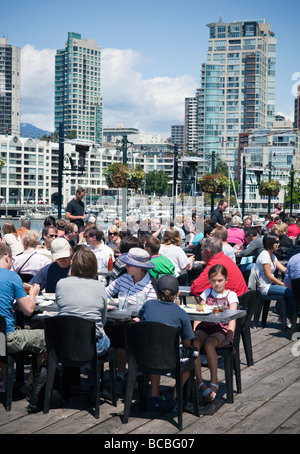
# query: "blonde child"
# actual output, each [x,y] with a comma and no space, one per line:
[211,335]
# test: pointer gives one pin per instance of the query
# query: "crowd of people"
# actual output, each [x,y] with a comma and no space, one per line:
[69,258]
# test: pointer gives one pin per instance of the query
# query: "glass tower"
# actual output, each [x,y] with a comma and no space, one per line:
[78,104]
[237,88]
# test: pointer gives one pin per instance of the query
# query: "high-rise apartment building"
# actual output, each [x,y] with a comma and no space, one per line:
[191,124]
[9,88]
[177,136]
[78,103]
[237,91]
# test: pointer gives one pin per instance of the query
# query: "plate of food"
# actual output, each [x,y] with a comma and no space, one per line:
[197,309]
[49,296]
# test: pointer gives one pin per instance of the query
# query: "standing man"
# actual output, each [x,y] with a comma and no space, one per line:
[75,211]
[217,216]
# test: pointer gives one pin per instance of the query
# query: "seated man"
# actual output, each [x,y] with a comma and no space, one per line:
[212,254]
[11,289]
[50,274]
[165,310]
[95,241]
[163,265]
[48,235]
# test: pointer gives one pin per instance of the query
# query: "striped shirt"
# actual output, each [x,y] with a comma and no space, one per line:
[125,284]
[33,265]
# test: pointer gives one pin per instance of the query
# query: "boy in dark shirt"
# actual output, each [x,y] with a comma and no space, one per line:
[164,310]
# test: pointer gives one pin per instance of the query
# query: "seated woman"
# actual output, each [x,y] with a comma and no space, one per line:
[170,248]
[30,261]
[82,295]
[136,279]
[12,238]
[113,237]
[235,234]
[267,264]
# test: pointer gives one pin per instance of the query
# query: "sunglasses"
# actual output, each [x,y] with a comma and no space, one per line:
[53,236]
[114,234]
[277,242]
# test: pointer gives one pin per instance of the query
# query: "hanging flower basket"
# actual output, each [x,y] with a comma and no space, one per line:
[213,184]
[269,188]
[135,177]
[119,175]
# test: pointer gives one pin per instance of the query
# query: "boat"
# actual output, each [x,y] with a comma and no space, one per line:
[31,214]
[107,215]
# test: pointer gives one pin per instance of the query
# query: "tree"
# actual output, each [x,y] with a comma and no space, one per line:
[296,192]
[72,134]
[157,182]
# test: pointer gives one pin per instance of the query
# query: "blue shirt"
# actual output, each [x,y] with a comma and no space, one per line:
[49,275]
[11,288]
[168,313]
[292,270]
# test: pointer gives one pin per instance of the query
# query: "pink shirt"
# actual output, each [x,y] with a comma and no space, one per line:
[236,235]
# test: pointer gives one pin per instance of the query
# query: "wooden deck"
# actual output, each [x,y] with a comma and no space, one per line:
[269,403]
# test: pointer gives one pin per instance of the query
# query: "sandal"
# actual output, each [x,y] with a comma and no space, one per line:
[157,403]
[208,394]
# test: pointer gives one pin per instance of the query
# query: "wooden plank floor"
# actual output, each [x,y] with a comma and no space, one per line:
[269,403]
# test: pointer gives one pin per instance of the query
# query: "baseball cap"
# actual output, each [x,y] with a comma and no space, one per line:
[168,282]
[60,248]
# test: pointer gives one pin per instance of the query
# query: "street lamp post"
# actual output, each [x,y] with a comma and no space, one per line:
[243,186]
[60,167]
[125,144]
[212,197]
[292,189]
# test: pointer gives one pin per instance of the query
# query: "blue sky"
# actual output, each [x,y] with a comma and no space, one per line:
[151,52]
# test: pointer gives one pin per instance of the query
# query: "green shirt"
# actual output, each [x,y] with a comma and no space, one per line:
[162,266]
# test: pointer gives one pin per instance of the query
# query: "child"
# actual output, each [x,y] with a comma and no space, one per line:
[212,335]
[165,310]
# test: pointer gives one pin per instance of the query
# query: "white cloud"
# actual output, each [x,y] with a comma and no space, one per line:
[151,105]
[289,116]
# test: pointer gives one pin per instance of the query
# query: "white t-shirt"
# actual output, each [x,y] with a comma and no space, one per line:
[263,259]
[177,257]
[102,255]
[231,296]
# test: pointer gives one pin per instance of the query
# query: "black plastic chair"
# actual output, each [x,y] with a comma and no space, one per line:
[296,304]
[71,341]
[263,302]
[231,358]
[247,302]
[10,359]
[153,348]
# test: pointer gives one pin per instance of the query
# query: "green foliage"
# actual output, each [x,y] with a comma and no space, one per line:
[2,163]
[72,134]
[296,191]
[157,182]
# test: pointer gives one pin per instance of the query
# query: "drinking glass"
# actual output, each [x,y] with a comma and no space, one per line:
[122,297]
[140,298]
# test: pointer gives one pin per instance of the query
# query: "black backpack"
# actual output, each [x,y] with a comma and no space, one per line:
[37,395]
